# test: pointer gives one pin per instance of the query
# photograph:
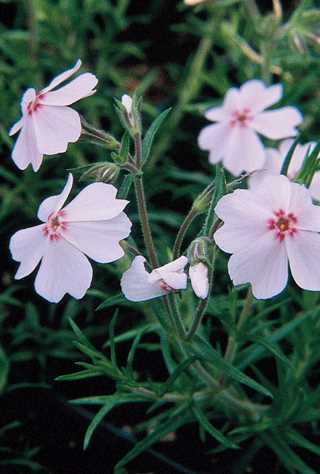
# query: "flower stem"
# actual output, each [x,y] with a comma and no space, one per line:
[192,214]
[232,345]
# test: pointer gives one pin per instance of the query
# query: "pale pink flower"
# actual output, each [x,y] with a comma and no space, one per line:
[139,285]
[275,160]
[91,224]
[198,274]
[234,138]
[267,227]
[48,124]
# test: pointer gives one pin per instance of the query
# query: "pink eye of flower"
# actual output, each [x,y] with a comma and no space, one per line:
[55,225]
[34,104]
[241,117]
[283,224]
[165,287]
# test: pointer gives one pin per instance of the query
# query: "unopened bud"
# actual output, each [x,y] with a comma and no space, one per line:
[198,274]
[202,201]
[200,250]
[104,172]
[129,113]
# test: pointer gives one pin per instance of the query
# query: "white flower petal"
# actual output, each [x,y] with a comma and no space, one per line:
[275,192]
[244,151]
[264,265]
[55,203]
[62,77]
[95,202]
[315,186]
[272,165]
[26,149]
[127,103]
[16,127]
[277,124]
[301,206]
[27,246]
[99,240]
[136,285]
[81,87]
[214,139]
[28,96]
[255,95]
[304,259]
[64,269]
[199,279]
[56,127]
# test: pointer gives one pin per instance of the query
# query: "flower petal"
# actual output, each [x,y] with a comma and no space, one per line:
[272,165]
[56,127]
[264,265]
[244,151]
[99,240]
[28,96]
[241,208]
[82,86]
[26,149]
[303,252]
[95,202]
[64,269]
[256,96]
[126,101]
[277,124]
[315,186]
[27,246]
[214,138]
[55,203]
[199,279]
[62,77]
[301,206]
[16,127]
[136,285]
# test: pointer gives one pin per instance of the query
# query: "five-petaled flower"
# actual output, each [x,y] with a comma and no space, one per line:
[48,124]
[275,160]
[139,285]
[234,138]
[267,227]
[91,224]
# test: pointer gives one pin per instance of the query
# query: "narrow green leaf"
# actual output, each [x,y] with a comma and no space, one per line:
[287,160]
[172,424]
[97,420]
[211,355]
[177,372]
[209,428]
[80,375]
[302,442]
[111,338]
[125,186]
[271,347]
[151,133]
[111,301]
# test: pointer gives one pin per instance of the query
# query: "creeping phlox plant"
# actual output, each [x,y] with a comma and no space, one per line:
[267,219]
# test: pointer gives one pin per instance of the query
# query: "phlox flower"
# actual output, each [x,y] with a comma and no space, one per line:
[198,274]
[48,124]
[275,160]
[266,229]
[139,285]
[92,225]
[234,138]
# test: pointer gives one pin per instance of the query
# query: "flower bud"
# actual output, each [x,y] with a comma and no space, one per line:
[104,172]
[200,250]
[129,113]
[198,274]
[202,202]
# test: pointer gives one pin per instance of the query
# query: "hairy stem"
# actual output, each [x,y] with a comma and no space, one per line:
[192,214]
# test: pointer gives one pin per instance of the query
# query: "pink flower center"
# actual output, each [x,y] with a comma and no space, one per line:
[55,224]
[165,287]
[35,104]
[241,117]
[283,224]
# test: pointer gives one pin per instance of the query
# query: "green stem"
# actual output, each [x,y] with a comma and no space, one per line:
[192,214]
[232,345]
[144,221]
[179,326]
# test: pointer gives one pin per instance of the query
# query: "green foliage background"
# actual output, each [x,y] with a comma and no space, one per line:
[186,58]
